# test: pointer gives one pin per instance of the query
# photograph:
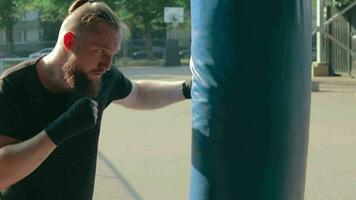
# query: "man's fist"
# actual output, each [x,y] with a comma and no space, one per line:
[81,116]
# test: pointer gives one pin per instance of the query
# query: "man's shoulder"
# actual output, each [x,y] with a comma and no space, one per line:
[12,77]
[18,69]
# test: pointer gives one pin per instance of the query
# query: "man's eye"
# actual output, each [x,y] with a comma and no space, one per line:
[99,51]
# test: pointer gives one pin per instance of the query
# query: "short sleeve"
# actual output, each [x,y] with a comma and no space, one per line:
[122,86]
[10,124]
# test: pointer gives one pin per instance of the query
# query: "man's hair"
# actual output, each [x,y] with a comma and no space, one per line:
[83,15]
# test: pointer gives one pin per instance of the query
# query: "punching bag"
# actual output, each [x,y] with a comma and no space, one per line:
[251,66]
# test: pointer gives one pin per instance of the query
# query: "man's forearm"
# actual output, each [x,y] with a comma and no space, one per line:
[157,94]
[148,94]
[19,160]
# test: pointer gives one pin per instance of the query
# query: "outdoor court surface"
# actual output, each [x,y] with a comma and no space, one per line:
[145,155]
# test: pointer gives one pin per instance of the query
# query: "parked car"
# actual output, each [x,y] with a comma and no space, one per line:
[2,54]
[158,52]
[184,53]
[41,52]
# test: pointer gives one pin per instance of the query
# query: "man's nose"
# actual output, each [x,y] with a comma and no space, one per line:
[106,63]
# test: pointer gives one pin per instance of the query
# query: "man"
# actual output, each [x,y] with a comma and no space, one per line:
[51,108]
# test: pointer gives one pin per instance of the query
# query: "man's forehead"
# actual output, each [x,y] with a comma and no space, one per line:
[108,40]
[113,46]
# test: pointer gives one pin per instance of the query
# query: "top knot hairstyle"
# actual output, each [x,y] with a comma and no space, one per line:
[83,15]
[76,4]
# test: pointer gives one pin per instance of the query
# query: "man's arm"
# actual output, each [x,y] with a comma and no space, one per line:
[19,159]
[147,94]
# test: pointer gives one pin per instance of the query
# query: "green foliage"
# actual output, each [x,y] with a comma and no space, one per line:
[145,15]
[11,11]
[140,15]
[52,10]
[340,3]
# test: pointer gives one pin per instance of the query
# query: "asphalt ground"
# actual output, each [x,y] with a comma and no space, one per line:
[145,155]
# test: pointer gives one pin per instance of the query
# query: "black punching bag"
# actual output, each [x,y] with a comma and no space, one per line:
[251,65]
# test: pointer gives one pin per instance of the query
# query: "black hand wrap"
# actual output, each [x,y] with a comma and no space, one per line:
[80,117]
[187,87]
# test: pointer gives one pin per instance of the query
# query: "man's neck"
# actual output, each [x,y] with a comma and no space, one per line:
[49,70]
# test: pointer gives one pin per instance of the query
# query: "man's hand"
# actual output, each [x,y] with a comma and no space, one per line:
[81,116]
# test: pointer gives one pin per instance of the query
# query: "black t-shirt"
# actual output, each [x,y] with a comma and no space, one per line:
[26,108]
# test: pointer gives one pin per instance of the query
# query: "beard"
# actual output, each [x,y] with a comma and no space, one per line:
[77,81]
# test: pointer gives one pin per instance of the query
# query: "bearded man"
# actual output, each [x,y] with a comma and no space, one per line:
[51,107]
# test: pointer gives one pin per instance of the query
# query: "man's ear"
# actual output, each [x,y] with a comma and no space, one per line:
[69,41]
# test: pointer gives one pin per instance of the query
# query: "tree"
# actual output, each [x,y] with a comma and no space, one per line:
[142,15]
[11,12]
[52,10]
[52,15]
[341,3]
[145,16]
